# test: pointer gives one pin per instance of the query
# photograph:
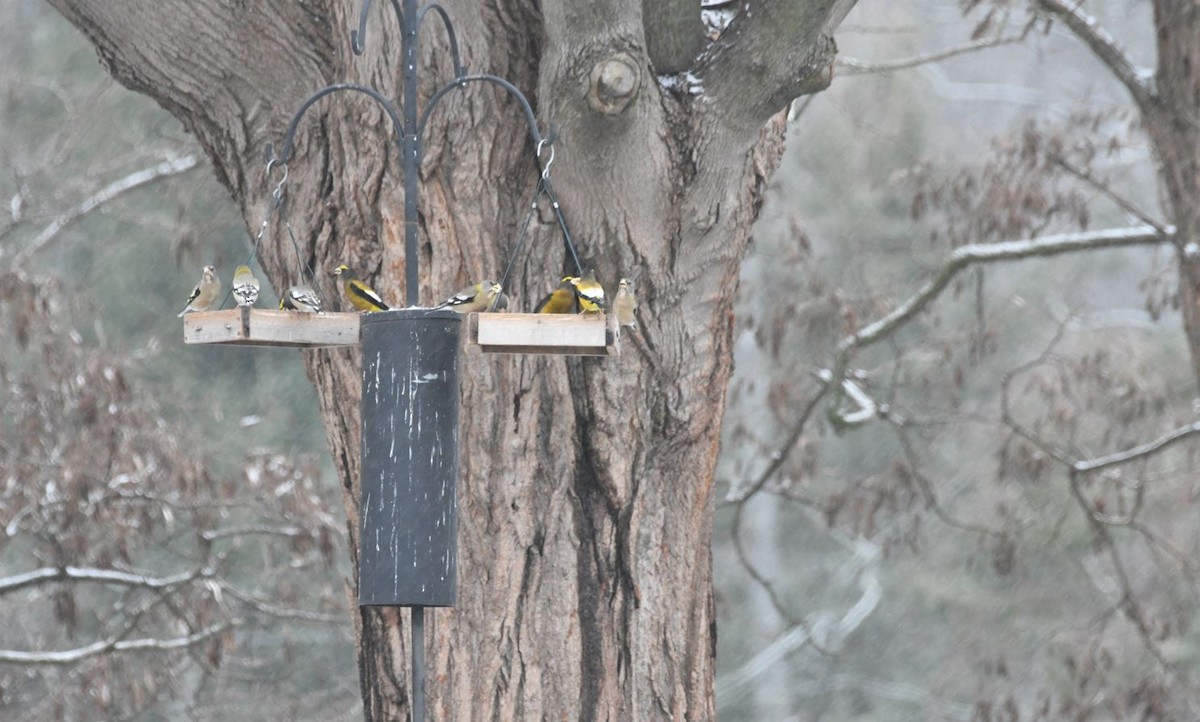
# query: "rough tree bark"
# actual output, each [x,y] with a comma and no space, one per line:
[586,490]
[1173,122]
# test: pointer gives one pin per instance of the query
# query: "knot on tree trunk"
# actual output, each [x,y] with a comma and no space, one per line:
[615,82]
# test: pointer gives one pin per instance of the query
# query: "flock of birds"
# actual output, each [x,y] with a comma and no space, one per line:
[575,294]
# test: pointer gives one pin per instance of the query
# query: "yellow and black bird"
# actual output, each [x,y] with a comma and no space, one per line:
[205,292]
[625,303]
[245,286]
[301,297]
[590,293]
[563,299]
[360,295]
[479,297]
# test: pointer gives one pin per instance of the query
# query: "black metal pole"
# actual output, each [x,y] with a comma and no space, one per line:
[418,663]
[408,49]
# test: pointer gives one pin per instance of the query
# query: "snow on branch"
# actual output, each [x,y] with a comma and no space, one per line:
[1136,452]
[1105,47]
[964,257]
[171,166]
[112,644]
[77,574]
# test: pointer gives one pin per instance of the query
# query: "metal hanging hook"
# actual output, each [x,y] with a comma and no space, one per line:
[277,194]
[546,168]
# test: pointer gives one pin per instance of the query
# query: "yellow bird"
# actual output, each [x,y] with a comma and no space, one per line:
[360,295]
[561,300]
[245,286]
[479,297]
[301,297]
[590,292]
[205,292]
[625,303]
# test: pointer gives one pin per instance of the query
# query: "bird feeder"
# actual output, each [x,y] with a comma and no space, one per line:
[408,508]
[544,333]
[245,326]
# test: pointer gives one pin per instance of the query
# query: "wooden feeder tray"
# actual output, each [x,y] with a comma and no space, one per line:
[544,333]
[265,327]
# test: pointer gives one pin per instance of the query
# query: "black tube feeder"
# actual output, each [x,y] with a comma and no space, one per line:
[408,516]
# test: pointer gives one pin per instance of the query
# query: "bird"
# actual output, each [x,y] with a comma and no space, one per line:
[473,298]
[590,292]
[563,299]
[360,295]
[499,304]
[245,286]
[205,292]
[625,303]
[301,297]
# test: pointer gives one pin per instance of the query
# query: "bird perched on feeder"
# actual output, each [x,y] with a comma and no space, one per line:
[590,293]
[360,295]
[205,292]
[499,304]
[563,299]
[473,298]
[301,297]
[245,286]
[625,303]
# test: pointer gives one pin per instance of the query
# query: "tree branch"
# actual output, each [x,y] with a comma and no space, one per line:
[112,644]
[47,575]
[854,66]
[1105,47]
[169,167]
[674,34]
[771,53]
[1146,449]
[966,256]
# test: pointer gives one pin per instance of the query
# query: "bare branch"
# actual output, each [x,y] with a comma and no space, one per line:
[1122,202]
[260,530]
[1146,449]
[926,487]
[169,167]
[282,612]
[1104,46]
[966,256]
[112,644]
[757,576]
[779,457]
[854,66]
[47,575]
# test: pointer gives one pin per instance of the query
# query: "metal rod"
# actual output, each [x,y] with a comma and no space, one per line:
[459,69]
[411,161]
[418,664]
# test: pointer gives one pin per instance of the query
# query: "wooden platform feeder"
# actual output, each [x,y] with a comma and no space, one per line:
[543,333]
[265,327]
[511,333]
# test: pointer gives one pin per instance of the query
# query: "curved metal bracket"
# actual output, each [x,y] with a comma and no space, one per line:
[530,119]
[289,144]
[459,69]
[358,37]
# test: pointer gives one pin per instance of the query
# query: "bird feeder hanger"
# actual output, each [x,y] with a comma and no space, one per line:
[408,506]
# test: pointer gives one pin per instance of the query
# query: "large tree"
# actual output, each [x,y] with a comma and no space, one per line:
[586,487]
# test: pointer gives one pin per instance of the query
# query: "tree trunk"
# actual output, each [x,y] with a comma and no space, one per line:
[586,502]
[1174,126]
